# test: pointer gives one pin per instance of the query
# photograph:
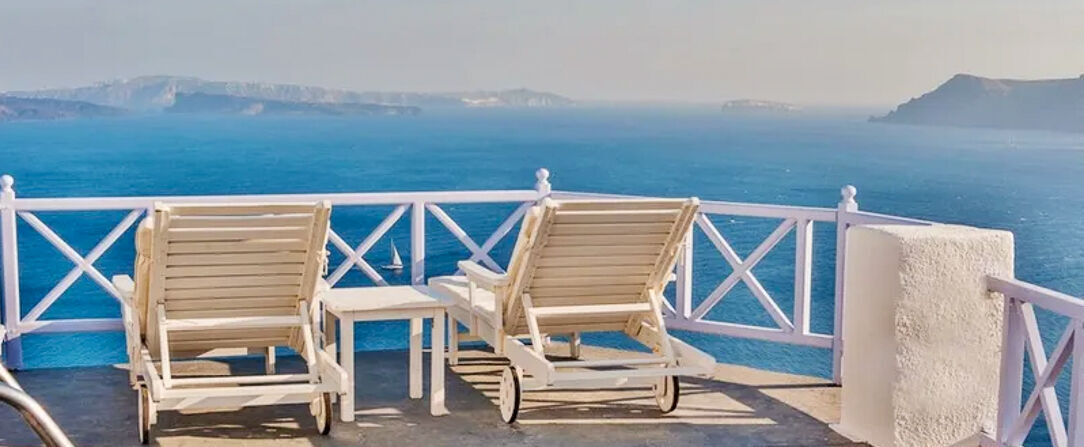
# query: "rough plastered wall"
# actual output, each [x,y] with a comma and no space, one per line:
[922,336]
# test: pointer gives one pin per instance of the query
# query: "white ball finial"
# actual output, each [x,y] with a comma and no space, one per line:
[849,192]
[6,181]
[542,174]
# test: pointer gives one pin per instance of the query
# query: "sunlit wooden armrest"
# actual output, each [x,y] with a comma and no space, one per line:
[482,276]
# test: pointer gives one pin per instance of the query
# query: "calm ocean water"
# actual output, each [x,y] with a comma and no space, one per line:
[1029,182]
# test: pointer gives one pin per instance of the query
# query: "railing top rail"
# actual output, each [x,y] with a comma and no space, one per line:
[1048,299]
[868,218]
[729,208]
[367,198]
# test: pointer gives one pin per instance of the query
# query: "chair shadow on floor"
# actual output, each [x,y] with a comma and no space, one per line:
[96,406]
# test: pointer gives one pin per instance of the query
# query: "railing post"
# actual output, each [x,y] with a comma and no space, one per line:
[13,344]
[1076,390]
[1012,369]
[683,287]
[846,205]
[417,243]
[803,274]
[543,183]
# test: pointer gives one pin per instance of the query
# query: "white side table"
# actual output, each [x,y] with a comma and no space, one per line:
[414,303]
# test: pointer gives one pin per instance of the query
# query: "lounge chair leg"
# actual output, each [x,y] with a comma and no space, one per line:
[574,345]
[453,341]
[269,360]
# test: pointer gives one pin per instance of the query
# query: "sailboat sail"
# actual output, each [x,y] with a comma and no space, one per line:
[396,262]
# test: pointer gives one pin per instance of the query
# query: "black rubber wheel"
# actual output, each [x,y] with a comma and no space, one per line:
[667,392]
[322,412]
[511,394]
[144,409]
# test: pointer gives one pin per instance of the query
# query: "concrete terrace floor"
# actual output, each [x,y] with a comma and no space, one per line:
[739,406]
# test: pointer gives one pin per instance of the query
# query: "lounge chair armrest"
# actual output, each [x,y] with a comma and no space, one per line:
[126,286]
[483,276]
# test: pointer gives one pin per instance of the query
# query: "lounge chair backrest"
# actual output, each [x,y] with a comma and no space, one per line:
[215,261]
[580,253]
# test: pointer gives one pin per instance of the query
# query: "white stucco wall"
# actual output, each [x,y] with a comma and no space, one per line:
[922,336]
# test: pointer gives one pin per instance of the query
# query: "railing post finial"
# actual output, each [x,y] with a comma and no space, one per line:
[848,192]
[6,183]
[543,184]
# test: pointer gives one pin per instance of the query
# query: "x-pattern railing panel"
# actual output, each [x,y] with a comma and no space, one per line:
[1022,340]
[83,265]
[355,256]
[743,271]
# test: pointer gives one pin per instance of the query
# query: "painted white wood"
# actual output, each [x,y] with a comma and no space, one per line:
[12,343]
[501,231]
[415,382]
[69,253]
[1022,424]
[753,332]
[683,286]
[76,272]
[417,243]
[346,359]
[1012,369]
[727,208]
[1075,437]
[482,276]
[437,406]
[846,208]
[1051,300]
[743,271]
[453,340]
[362,264]
[356,255]
[449,223]
[803,275]
[1048,395]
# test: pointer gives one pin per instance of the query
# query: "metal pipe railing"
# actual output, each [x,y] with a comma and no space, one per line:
[32,412]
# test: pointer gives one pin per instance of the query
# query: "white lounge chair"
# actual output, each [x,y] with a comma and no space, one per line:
[581,266]
[221,279]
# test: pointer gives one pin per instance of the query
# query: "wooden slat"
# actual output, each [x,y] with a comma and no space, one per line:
[662,228]
[622,205]
[588,261]
[235,209]
[235,258]
[602,270]
[233,281]
[238,246]
[597,217]
[192,346]
[615,250]
[592,308]
[567,328]
[540,301]
[268,221]
[653,240]
[236,312]
[232,234]
[231,292]
[231,303]
[266,333]
[235,269]
[592,289]
[580,281]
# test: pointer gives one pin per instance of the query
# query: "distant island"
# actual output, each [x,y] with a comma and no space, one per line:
[758,106]
[973,101]
[152,93]
[15,108]
[240,105]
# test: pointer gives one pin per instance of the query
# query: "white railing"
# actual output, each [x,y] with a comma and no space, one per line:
[793,328]
[1020,338]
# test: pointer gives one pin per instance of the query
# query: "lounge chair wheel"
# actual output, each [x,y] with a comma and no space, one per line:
[667,390]
[144,409]
[511,393]
[321,409]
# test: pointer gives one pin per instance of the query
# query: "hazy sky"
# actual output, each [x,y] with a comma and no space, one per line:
[869,52]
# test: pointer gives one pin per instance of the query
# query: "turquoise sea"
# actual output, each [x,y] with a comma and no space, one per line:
[1031,183]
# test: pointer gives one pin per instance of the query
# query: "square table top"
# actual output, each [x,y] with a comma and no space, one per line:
[381,298]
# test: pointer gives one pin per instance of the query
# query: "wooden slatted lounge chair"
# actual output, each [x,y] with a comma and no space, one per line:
[241,278]
[581,266]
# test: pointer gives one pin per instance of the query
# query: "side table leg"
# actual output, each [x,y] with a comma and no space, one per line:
[436,372]
[415,358]
[346,338]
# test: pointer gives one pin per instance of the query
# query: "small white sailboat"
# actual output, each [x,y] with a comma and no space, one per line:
[396,262]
